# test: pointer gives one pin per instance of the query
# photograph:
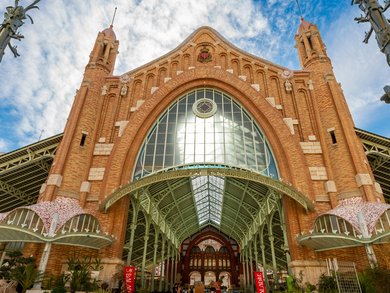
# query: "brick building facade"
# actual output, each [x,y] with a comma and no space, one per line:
[306,126]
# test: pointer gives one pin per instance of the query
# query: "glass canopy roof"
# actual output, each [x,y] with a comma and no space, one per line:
[205,127]
[208,194]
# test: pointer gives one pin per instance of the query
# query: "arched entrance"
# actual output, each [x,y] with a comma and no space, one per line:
[194,278]
[205,164]
[209,278]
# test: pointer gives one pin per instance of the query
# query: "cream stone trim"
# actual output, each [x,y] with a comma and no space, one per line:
[290,125]
[271,100]
[67,193]
[103,149]
[363,179]
[85,186]
[138,104]
[330,186]
[311,147]
[54,179]
[122,126]
[256,86]
[378,188]
[349,194]
[43,188]
[318,173]
[322,198]
[330,129]
[96,174]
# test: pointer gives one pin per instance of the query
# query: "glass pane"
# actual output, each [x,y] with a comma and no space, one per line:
[229,137]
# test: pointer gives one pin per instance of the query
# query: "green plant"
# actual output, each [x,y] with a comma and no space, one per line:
[309,287]
[20,269]
[375,280]
[56,283]
[26,276]
[327,284]
[80,273]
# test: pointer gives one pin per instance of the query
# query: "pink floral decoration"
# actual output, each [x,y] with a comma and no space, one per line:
[66,208]
[3,215]
[348,209]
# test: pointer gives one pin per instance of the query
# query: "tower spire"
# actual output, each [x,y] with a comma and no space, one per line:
[309,43]
[113,17]
[299,9]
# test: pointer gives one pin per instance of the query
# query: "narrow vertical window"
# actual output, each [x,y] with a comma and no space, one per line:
[83,138]
[333,137]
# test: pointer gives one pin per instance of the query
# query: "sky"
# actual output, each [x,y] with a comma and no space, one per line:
[37,89]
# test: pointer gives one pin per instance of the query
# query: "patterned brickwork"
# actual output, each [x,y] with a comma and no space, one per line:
[295,110]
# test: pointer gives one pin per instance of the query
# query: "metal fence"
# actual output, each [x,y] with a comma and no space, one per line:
[345,274]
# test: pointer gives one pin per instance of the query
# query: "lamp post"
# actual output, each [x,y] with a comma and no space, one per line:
[374,14]
[13,19]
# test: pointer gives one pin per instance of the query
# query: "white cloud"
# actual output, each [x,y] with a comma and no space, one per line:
[361,69]
[40,85]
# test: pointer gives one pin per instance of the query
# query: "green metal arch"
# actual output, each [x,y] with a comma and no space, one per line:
[221,172]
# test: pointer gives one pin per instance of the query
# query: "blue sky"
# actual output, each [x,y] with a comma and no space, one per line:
[38,88]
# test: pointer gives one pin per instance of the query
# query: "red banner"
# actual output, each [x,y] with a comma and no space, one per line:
[129,278]
[260,284]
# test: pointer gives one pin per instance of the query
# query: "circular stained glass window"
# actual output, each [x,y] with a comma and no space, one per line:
[204,108]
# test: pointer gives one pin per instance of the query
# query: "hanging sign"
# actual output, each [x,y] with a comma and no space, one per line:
[129,272]
[260,284]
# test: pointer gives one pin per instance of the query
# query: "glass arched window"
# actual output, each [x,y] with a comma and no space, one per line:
[205,127]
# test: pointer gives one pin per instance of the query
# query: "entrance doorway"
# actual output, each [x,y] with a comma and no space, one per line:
[209,278]
[195,277]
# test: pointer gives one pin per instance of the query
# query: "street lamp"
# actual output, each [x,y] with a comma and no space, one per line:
[374,13]
[13,19]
